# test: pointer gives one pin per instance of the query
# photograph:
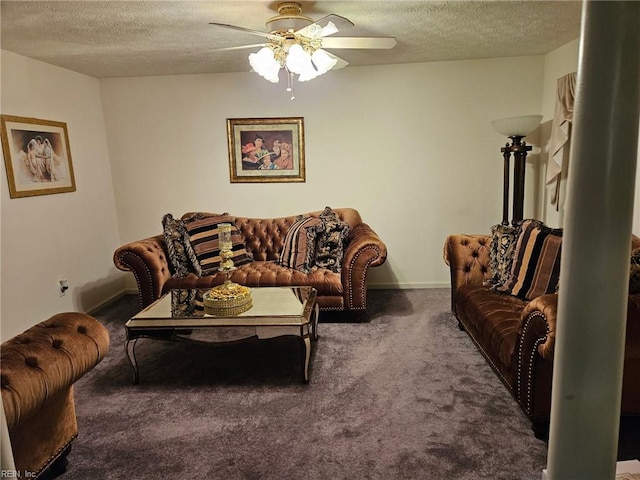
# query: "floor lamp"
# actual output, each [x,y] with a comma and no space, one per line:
[516,128]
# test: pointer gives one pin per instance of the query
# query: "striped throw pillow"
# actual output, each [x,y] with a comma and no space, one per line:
[536,262]
[203,235]
[299,249]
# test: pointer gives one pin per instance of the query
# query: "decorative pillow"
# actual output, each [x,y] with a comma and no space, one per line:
[503,245]
[183,302]
[299,248]
[536,262]
[331,241]
[203,235]
[181,255]
[634,273]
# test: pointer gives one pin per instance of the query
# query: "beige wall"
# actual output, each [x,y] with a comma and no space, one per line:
[410,146]
[68,235]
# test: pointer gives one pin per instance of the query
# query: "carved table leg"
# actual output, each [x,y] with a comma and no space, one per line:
[306,355]
[129,347]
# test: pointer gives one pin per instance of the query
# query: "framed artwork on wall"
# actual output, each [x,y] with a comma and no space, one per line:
[37,156]
[266,149]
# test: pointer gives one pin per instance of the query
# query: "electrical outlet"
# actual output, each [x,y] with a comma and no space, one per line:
[64,286]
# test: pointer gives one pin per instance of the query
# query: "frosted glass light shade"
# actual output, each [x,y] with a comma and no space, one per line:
[298,60]
[264,64]
[517,126]
[322,61]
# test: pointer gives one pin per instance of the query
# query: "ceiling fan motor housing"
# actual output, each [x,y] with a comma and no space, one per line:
[289,18]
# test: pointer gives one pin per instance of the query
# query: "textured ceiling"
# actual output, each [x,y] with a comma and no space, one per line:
[139,38]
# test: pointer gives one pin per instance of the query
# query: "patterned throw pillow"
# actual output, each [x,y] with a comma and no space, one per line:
[183,302]
[536,262]
[331,241]
[634,273]
[503,245]
[299,248]
[203,233]
[181,255]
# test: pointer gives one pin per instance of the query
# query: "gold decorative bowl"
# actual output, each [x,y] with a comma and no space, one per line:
[227,300]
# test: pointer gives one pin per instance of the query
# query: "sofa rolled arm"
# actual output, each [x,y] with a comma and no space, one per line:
[46,359]
[147,260]
[533,355]
[365,249]
[538,325]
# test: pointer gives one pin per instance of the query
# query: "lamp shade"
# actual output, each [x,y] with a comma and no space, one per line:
[517,126]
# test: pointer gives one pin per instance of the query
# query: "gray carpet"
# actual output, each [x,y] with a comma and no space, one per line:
[404,395]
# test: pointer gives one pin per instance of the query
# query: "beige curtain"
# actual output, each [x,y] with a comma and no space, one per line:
[560,137]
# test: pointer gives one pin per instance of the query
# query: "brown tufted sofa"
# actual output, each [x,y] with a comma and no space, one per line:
[38,370]
[517,337]
[147,259]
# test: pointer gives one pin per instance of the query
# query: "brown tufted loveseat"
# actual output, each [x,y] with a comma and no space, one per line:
[517,337]
[38,369]
[147,260]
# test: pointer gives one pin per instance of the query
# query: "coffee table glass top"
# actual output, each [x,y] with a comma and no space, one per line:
[271,306]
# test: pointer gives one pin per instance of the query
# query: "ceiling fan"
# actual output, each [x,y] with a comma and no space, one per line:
[297,43]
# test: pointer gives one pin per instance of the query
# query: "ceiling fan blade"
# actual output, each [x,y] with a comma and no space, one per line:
[337,21]
[246,30]
[240,47]
[359,42]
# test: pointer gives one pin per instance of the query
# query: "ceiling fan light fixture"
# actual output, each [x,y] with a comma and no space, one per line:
[298,61]
[297,43]
[322,61]
[265,64]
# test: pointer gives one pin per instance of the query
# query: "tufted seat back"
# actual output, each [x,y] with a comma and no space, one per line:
[264,237]
[37,372]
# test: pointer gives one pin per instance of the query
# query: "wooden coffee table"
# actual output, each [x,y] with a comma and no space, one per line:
[179,316]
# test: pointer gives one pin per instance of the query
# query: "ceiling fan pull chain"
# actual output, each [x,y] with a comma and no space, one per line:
[290,84]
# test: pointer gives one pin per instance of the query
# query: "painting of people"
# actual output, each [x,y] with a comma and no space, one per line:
[266,150]
[37,156]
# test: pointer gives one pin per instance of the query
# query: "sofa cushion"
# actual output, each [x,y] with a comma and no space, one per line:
[181,255]
[503,246]
[331,241]
[492,321]
[265,274]
[203,235]
[299,245]
[536,262]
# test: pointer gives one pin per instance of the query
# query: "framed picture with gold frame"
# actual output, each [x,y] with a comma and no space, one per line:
[37,156]
[266,149]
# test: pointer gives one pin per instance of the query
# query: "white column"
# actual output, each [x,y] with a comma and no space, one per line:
[594,277]
[6,457]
